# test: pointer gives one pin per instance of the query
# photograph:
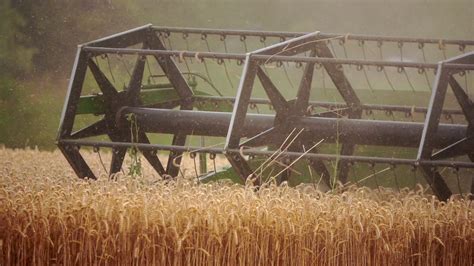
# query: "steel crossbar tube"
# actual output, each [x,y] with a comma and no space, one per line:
[321,60]
[329,157]
[364,132]
[287,34]
[122,39]
[378,107]
[459,66]
[291,46]
[270,58]
[229,32]
[133,51]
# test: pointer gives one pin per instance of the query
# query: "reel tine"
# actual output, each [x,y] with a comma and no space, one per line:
[207,71]
[97,150]
[383,69]
[212,156]
[409,80]
[105,86]
[372,166]
[287,76]
[110,68]
[332,48]
[415,177]
[228,75]
[421,47]
[395,177]
[263,40]
[403,70]
[151,77]
[374,173]
[182,59]
[203,60]
[174,158]
[243,39]
[323,80]
[192,155]
[202,158]
[185,38]
[364,69]
[224,42]
[204,38]
[120,58]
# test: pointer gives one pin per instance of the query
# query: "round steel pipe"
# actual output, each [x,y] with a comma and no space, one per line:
[322,35]
[362,132]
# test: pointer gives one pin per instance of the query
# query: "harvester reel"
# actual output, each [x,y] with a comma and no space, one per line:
[289,129]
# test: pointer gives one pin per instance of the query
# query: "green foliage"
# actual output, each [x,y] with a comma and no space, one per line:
[55,28]
[15,58]
[135,167]
[13,132]
[37,44]
[15,61]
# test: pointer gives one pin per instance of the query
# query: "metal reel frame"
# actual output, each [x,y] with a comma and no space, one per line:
[450,140]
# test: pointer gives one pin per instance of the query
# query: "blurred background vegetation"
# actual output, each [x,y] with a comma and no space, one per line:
[38,39]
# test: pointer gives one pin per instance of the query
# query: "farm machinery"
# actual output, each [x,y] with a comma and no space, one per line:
[287,106]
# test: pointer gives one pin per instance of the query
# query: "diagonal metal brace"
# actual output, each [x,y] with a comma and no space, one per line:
[96,129]
[465,145]
[277,100]
[463,99]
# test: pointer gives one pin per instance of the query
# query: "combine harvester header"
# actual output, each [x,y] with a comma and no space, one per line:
[296,107]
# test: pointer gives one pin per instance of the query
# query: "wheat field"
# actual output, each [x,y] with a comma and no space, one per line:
[47,216]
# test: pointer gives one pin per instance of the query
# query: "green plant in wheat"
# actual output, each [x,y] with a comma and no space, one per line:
[135,167]
[333,179]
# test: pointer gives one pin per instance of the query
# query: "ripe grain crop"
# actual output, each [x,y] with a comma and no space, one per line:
[47,216]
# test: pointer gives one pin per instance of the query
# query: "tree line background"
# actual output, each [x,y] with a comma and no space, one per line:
[38,39]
